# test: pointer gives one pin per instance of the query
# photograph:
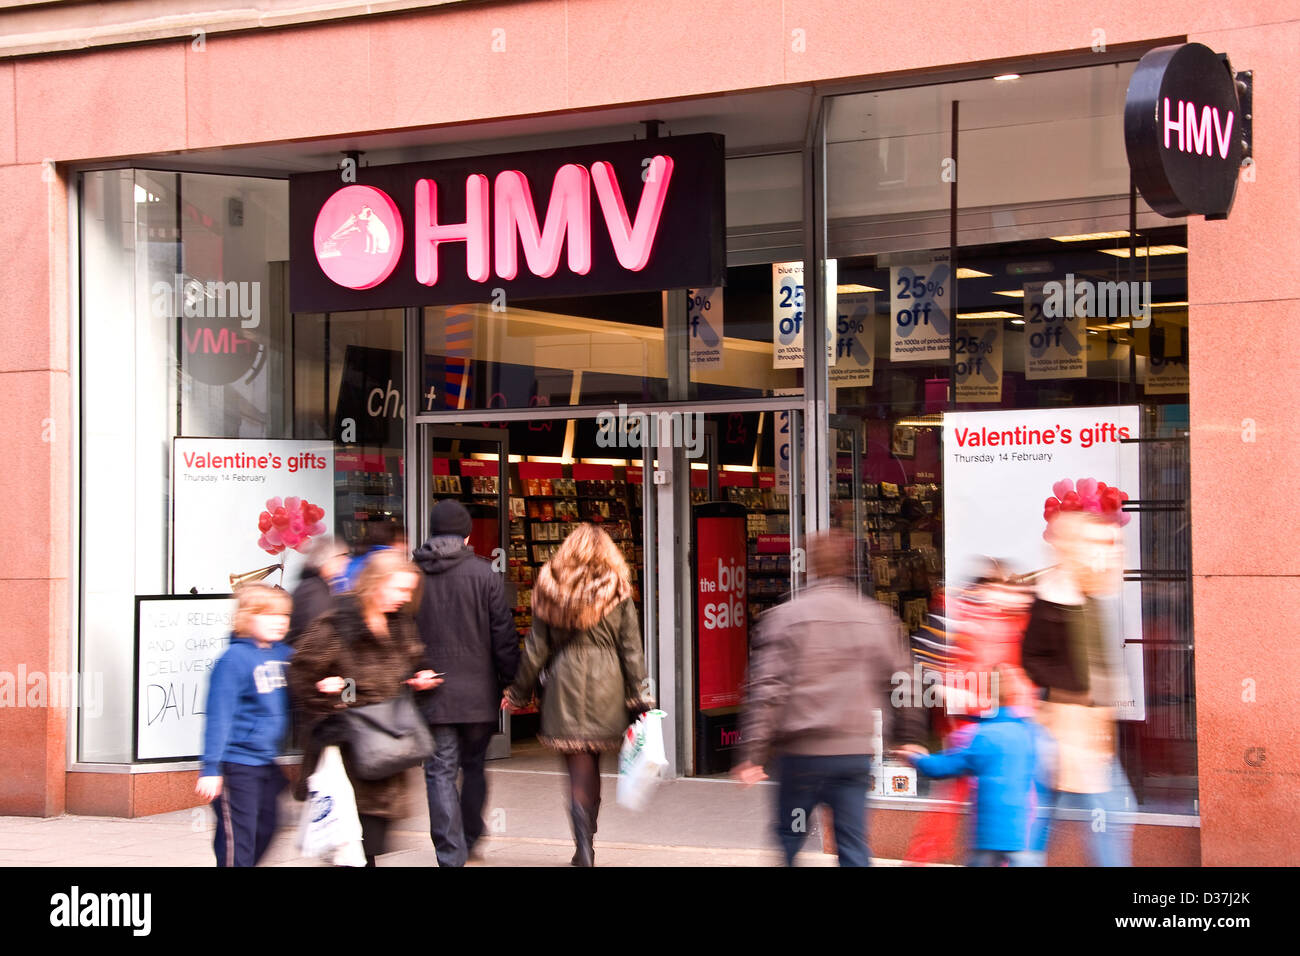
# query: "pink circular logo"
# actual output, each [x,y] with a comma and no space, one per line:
[358,237]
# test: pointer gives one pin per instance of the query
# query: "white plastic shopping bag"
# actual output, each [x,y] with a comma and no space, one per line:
[642,760]
[330,826]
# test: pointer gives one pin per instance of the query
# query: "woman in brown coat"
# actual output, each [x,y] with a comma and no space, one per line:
[587,641]
[367,646]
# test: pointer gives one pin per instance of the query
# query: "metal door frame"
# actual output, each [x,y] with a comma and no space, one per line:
[422,476]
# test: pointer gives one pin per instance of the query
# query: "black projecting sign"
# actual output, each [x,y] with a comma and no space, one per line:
[1185,131]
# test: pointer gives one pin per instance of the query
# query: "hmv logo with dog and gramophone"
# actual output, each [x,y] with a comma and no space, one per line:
[642,215]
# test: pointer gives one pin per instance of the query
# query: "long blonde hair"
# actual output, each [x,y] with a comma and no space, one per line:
[379,567]
[583,582]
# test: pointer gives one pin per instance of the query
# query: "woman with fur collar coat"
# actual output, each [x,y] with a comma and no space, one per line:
[371,641]
[585,651]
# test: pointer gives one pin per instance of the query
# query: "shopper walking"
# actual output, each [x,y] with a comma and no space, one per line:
[822,664]
[585,652]
[246,718]
[1005,755]
[469,635]
[322,575]
[1071,654]
[363,652]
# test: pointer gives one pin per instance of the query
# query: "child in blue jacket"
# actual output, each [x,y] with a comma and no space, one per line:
[1007,755]
[247,716]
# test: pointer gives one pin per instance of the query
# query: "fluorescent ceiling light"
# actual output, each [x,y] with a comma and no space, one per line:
[1144,251]
[1017,321]
[1012,293]
[997,314]
[749,468]
[964,273]
[1005,77]
[1093,236]
[1168,305]
[606,461]
[853,287]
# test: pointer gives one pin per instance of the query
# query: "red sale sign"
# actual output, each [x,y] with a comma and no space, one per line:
[722,624]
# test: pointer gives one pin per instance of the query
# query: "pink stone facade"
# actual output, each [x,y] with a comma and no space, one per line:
[434,68]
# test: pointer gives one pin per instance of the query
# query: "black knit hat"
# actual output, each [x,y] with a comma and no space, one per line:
[449,517]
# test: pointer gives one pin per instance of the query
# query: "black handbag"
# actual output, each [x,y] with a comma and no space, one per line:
[386,738]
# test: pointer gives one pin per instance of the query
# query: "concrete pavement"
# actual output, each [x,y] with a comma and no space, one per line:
[689,822]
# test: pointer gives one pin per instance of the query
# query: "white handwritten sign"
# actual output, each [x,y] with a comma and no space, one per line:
[178,640]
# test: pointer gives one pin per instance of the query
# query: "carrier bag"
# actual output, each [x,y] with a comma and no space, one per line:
[330,826]
[642,760]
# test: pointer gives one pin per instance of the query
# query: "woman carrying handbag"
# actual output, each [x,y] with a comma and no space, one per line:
[586,638]
[365,652]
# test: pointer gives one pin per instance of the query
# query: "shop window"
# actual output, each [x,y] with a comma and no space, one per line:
[1064,322]
[190,360]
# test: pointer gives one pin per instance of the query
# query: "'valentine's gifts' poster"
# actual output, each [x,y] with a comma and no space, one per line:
[1009,474]
[241,505]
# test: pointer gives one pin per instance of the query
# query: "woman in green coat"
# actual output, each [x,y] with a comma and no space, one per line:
[585,651]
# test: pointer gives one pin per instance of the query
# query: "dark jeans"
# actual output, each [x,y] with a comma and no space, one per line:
[838,782]
[246,812]
[456,819]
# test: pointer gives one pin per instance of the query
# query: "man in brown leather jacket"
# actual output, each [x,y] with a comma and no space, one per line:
[821,665]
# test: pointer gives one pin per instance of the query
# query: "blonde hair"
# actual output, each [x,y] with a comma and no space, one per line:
[378,568]
[255,599]
[583,581]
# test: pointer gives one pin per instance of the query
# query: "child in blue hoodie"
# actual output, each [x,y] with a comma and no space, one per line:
[247,715]
[1006,755]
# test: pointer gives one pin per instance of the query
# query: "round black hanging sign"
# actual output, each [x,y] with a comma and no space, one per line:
[1184,131]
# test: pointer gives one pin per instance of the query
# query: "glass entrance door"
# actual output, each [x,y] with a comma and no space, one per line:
[471,465]
[847,507]
[745,522]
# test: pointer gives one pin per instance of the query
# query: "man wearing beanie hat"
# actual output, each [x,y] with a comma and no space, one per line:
[469,635]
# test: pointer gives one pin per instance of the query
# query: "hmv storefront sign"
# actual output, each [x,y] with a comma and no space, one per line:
[637,216]
[1186,131]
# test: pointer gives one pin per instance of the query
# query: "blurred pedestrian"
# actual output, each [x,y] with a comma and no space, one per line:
[363,652]
[322,575]
[1005,757]
[469,634]
[380,536]
[970,629]
[1070,653]
[585,651]
[822,665]
[246,717]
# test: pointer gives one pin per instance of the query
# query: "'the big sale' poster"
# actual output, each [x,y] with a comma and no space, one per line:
[999,470]
[244,504]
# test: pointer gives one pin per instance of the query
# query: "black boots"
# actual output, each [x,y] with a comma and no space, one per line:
[584,833]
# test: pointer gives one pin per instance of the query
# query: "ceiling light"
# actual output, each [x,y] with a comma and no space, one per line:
[998,314]
[1144,251]
[853,287]
[1017,321]
[1005,77]
[1012,293]
[1168,305]
[964,273]
[1093,236]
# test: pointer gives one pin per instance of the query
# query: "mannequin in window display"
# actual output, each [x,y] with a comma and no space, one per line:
[1070,653]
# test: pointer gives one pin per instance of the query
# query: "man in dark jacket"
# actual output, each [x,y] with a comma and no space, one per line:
[469,635]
